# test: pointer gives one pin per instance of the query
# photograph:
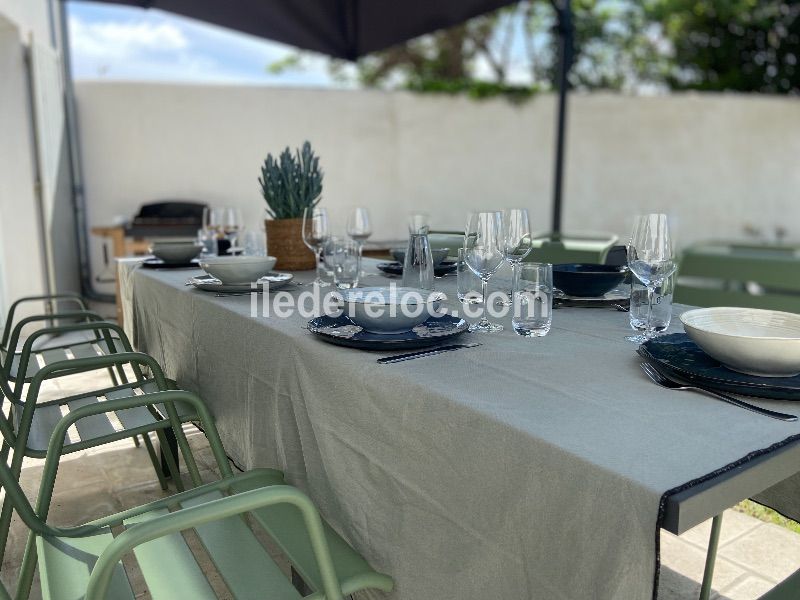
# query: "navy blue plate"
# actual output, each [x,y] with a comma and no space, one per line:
[341,331]
[681,357]
[396,268]
[587,280]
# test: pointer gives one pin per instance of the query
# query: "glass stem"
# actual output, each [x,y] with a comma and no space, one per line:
[649,331]
[514,278]
[484,284]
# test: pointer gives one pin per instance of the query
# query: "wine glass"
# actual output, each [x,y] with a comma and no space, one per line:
[232,226]
[483,254]
[316,231]
[650,259]
[517,241]
[359,228]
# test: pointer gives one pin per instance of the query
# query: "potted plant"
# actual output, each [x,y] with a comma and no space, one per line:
[290,184]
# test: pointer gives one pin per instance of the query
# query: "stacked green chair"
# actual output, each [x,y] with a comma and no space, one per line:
[56,344]
[84,561]
[30,425]
[747,276]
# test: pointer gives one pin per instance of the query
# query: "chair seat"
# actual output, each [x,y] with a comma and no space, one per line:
[47,416]
[40,358]
[237,557]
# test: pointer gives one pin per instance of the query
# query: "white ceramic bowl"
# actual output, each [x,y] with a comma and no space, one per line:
[758,342]
[176,252]
[237,269]
[390,309]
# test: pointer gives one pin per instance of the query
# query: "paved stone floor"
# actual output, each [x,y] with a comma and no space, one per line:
[753,555]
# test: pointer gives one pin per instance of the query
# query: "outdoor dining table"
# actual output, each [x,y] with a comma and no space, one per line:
[521,468]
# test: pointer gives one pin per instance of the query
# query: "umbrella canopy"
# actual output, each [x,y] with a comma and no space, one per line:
[349,29]
[340,28]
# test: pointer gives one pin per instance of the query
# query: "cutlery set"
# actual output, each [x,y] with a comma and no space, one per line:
[672,383]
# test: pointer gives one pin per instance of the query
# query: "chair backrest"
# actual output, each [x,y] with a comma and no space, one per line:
[452,240]
[558,253]
[51,303]
[751,277]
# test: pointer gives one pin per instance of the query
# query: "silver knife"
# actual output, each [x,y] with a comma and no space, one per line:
[412,355]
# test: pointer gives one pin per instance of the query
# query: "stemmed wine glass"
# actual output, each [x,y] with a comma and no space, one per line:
[316,231]
[359,228]
[232,226]
[483,254]
[651,261]
[517,241]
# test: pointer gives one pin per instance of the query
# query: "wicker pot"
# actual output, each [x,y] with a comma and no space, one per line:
[285,242]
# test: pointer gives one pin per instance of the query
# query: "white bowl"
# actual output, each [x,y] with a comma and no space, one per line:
[237,269]
[176,252]
[390,309]
[765,343]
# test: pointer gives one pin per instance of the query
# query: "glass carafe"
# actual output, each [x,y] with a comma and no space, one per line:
[418,266]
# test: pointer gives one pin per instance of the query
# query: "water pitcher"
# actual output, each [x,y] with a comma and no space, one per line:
[418,267]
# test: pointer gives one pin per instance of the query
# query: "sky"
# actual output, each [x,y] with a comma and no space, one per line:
[127,43]
[119,42]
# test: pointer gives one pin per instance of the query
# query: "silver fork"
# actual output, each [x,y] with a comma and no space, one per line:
[660,379]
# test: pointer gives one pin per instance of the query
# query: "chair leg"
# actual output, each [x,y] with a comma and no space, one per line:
[711,557]
[136,441]
[155,460]
[7,512]
[170,458]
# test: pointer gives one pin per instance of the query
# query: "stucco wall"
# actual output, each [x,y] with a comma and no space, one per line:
[715,162]
[22,263]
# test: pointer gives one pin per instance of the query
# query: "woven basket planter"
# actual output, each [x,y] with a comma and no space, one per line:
[285,242]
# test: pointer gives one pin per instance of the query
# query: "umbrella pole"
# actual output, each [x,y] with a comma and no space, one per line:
[566,32]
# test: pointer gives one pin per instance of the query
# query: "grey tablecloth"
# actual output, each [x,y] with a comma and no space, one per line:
[518,469]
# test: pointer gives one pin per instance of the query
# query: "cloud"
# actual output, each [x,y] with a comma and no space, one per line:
[110,39]
[125,43]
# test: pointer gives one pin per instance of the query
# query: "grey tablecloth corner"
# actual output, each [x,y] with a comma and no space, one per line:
[518,469]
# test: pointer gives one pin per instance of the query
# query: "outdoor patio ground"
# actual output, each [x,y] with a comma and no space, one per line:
[753,555]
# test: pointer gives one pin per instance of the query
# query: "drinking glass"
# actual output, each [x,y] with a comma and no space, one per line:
[254,243]
[662,305]
[467,282]
[418,264]
[533,300]
[650,259]
[232,224]
[483,252]
[517,240]
[359,227]
[343,259]
[316,231]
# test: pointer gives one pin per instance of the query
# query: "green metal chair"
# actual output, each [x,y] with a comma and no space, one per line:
[84,561]
[51,303]
[53,343]
[726,275]
[30,424]
[557,253]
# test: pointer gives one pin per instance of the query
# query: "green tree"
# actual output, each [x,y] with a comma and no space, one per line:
[742,45]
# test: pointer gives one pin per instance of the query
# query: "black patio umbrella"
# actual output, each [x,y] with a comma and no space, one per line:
[350,29]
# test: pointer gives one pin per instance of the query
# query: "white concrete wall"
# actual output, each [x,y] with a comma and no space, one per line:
[715,162]
[22,268]
[26,221]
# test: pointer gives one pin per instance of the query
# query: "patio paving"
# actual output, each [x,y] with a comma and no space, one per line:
[752,558]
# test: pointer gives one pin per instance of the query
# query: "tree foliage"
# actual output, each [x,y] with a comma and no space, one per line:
[737,45]
[744,45]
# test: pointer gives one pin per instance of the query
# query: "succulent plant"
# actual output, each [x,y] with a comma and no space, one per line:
[291,183]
